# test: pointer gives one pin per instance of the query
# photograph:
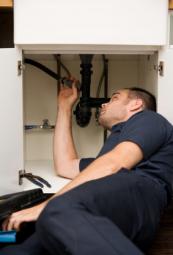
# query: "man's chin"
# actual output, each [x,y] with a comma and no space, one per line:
[102,122]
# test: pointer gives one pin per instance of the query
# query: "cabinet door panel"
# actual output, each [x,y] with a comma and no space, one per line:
[98,22]
[11,121]
[165,85]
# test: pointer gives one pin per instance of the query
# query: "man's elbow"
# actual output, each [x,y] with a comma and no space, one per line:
[62,173]
[70,170]
[65,175]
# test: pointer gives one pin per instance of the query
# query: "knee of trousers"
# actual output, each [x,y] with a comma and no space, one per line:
[57,211]
[59,222]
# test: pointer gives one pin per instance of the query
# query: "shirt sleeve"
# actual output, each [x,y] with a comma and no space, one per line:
[84,162]
[147,130]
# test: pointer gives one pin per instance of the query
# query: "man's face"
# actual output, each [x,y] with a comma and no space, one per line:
[116,110]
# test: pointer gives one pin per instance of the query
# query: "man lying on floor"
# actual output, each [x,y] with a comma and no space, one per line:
[114,202]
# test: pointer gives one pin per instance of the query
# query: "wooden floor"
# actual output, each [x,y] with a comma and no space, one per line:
[163,242]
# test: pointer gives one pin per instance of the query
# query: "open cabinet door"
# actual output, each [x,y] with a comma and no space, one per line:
[11,121]
[165,85]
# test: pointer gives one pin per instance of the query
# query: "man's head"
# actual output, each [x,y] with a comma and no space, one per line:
[123,104]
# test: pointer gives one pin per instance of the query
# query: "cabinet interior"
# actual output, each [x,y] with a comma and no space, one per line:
[40,97]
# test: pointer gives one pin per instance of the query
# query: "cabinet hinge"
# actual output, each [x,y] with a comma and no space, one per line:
[20,67]
[160,68]
[21,173]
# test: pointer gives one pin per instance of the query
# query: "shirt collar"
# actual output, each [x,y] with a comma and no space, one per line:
[119,126]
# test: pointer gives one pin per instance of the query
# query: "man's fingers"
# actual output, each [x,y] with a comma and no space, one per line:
[12,222]
[75,89]
[26,215]
[17,224]
[61,86]
[5,224]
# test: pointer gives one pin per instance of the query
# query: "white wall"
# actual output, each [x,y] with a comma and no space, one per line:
[148,73]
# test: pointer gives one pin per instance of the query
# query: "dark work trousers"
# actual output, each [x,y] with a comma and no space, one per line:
[109,216]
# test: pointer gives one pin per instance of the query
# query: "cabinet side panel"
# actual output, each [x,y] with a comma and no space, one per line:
[165,88]
[11,121]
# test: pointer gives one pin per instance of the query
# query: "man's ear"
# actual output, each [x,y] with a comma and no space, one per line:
[136,104]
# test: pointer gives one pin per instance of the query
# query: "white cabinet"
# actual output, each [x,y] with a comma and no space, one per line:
[38,92]
[129,33]
[11,121]
[76,25]
[40,102]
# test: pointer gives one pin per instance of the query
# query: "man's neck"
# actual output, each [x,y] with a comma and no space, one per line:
[131,114]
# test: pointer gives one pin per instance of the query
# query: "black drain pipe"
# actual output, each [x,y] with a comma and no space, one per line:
[83,108]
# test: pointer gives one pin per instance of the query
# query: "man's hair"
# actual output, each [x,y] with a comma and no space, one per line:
[148,99]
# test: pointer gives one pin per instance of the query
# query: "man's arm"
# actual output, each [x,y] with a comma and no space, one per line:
[126,154]
[66,161]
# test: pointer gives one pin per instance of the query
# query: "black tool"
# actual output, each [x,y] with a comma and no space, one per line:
[67,82]
[33,178]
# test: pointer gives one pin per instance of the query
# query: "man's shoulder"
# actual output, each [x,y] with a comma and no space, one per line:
[149,120]
[152,116]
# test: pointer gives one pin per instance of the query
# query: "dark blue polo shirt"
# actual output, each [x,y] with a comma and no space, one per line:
[154,135]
